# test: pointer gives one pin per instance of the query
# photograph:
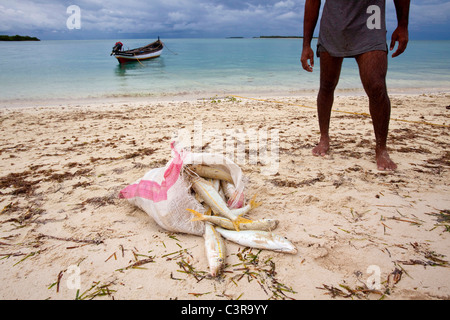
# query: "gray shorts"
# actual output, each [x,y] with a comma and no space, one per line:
[349,28]
[381,47]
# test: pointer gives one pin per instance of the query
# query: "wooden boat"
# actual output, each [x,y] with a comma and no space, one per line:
[150,51]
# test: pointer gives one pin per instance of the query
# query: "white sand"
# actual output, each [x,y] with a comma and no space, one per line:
[69,163]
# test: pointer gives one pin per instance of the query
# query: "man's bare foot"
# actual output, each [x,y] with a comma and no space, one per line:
[384,162]
[322,148]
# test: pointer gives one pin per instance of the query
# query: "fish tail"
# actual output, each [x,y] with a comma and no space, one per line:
[197,215]
[253,203]
[238,221]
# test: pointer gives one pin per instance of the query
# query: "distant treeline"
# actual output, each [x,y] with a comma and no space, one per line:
[18,38]
[276,37]
[272,37]
[283,37]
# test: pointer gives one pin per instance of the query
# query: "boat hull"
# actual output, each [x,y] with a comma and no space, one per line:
[141,57]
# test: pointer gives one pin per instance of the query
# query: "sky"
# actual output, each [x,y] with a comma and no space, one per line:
[120,19]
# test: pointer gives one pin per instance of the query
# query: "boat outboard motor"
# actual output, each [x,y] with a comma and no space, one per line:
[117,47]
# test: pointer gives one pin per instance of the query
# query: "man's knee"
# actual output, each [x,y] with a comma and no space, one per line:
[328,85]
[376,90]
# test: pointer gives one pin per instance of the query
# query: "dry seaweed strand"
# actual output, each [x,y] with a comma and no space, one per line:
[263,272]
[100,290]
[358,292]
[87,241]
[57,282]
[31,254]
[434,259]
[362,292]
[138,263]
[442,218]
[189,269]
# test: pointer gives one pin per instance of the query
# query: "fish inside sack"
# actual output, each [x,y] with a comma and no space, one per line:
[234,199]
[210,172]
[246,209]
[212,198]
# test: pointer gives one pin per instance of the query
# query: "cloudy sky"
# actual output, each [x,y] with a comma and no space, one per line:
[190,18]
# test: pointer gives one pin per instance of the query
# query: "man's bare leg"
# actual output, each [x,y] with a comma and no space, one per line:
[372,70]
[330,70]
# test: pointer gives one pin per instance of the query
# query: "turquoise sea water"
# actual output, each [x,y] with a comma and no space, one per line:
[208,67]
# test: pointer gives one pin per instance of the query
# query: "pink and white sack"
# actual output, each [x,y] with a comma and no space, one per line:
[164,193]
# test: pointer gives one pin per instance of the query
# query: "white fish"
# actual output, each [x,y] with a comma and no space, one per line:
[218,187]
[215,249]
[216,184]
[232,195]
[259,239]
[262,224]
[212,198]
[245,209]
[210,172]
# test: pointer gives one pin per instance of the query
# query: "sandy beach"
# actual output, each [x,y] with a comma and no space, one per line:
[360,233]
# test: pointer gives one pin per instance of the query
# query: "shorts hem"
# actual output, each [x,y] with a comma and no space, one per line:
[351,54]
